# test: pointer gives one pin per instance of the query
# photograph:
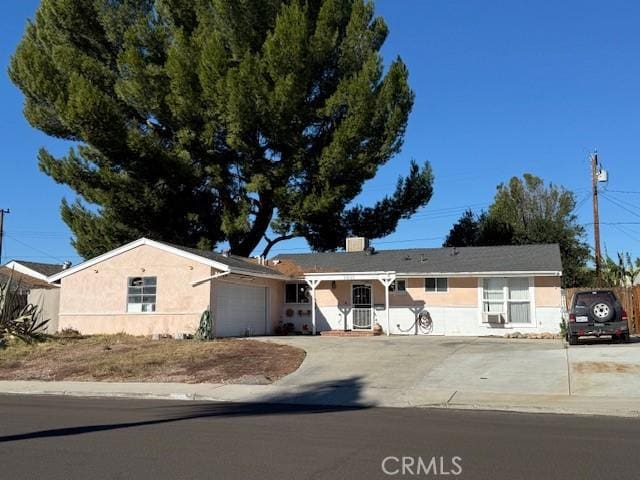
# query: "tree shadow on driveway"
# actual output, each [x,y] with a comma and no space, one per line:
[325,397]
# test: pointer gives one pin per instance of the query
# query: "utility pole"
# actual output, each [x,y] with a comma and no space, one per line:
[596,218]
[2,212]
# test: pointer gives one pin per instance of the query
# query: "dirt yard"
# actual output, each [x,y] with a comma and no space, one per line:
[119,358]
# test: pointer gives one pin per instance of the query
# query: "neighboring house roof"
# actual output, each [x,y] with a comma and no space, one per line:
[432,261]
[27,282]
[225,263]
[35,269]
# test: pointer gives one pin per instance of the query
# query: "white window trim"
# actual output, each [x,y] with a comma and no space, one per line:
[126,298]
[396,291]
[297,298]
[508,323]
[436,291]
[530,324]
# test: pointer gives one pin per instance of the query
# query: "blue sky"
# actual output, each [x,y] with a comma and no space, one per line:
[502,88]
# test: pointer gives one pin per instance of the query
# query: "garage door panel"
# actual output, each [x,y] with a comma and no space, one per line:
[240,308]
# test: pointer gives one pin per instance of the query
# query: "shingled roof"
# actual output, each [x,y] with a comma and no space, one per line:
[46,269]
[520,258]
[232,261]
[26,281]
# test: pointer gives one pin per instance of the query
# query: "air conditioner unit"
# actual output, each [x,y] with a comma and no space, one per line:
[495,318]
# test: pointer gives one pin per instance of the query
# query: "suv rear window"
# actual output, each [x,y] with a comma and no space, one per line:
[582,300]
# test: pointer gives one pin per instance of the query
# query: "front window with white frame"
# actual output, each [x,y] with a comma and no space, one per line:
[509,297]
[297,292]
[493,295]
[398,286]
[141,294]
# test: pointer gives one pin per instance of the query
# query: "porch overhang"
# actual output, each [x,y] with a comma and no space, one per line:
[314,279]
[335,276]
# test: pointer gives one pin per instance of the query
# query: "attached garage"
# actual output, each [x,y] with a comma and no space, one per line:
[239,309]
[148,287]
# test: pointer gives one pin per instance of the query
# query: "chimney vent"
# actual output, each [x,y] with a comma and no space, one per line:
[356,244]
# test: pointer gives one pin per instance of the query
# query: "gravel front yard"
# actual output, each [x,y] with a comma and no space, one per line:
[122,357]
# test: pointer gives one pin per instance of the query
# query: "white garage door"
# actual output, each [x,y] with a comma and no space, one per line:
[239,309]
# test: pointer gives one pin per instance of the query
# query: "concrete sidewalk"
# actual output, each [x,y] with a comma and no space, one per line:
[350,392]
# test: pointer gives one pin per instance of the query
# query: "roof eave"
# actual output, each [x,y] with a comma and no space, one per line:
[375,274]
[161,246]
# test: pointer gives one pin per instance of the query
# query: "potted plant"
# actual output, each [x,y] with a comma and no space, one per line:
[377,329]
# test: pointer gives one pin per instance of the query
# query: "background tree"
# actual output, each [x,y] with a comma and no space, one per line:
[526,211]
[478,230]
[210,120]
[621,273]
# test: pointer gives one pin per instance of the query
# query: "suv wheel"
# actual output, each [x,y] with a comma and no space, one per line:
[573,339]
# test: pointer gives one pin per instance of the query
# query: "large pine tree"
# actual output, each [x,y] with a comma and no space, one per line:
[200,121]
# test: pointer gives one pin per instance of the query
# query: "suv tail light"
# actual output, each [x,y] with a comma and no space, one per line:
[572,317]
[625,317]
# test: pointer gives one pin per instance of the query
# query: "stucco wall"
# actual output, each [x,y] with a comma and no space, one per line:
[94,300]
[455,312]
[548,291]
[461,292]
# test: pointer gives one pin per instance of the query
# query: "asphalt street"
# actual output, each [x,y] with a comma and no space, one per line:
[46,437]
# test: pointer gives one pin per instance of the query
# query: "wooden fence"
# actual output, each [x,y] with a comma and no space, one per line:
[629,297]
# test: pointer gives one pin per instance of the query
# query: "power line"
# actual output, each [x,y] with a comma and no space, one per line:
[25,257]
[582,201]
[632,192]
[619,205]
[411,240]
[281,249]
[35,249]
[624,232]
[624,202]
[611,223]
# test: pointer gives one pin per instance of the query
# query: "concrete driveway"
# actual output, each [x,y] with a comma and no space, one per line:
[491,365]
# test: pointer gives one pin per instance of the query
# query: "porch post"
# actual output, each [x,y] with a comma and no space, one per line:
[313,284]
[386,307]
[386,281]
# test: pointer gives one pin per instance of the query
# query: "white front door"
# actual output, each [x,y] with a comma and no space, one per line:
[240,310]
[361,307]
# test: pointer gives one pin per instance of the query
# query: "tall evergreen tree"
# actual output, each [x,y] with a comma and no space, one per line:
[202,121]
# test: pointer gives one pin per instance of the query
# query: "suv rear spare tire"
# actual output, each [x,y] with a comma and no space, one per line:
[602,310]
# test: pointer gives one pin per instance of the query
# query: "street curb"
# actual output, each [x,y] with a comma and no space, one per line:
[534,404]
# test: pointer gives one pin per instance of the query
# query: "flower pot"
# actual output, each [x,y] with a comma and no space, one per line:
[377,329]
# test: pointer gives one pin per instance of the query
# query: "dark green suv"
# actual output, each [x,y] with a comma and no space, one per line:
[596,313]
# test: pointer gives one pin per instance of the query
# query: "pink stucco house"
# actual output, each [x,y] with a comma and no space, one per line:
[148,287]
